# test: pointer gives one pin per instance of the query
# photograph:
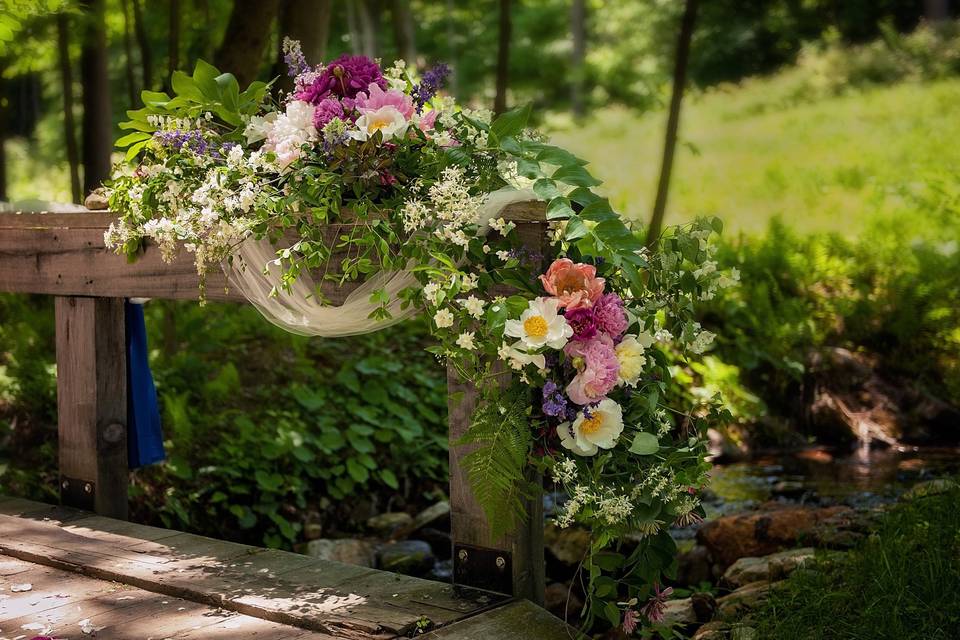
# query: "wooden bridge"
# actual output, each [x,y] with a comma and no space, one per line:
[143,582]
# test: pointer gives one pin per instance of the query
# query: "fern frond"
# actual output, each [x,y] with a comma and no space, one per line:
[501,430]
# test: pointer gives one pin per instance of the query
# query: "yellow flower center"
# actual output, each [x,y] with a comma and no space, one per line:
[535,326]
[591,424]
[376,123]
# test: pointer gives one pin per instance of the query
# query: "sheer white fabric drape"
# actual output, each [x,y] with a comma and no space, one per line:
[298,311]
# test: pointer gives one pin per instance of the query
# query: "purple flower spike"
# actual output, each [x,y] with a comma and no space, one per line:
[433,80]
[554,402]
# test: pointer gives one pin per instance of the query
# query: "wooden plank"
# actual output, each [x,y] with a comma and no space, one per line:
[469,524]
[323,596]
[92,403]
[64,254]
[520,620]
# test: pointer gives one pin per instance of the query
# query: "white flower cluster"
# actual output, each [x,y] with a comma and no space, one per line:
[448,210]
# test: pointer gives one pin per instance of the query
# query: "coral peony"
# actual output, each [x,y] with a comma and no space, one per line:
[597,366]
[576,285]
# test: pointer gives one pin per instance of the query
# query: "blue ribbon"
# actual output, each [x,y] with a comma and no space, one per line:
[144,437]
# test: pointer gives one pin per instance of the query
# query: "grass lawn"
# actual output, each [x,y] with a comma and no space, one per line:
[825,165]
[902,583]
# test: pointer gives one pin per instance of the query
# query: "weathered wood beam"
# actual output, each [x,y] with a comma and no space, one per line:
[92,404]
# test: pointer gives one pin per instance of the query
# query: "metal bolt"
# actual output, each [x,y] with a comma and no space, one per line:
[88,488]
[65,484]
[462,555]
[501,563]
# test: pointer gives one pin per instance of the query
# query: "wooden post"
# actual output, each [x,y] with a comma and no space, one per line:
[92,404]
[513,564]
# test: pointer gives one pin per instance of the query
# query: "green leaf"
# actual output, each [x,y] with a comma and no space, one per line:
[183,85]
[205,77]
[510,123]
[357,471]
[389,478]
[575,175]
[645,444]
[546,189]
[560,157]
[559,208]
[130,138]
[599,211]
[270,482]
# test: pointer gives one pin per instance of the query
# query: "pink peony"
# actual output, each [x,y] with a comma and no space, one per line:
[609,316]
[597,366]
[345,77]
[326,111]
[428,120]
[582,321]
[378,98]
[575,285]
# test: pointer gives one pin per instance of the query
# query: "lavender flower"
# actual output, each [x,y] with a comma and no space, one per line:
[554,402]
[432,81]
[293,58]
[178,140]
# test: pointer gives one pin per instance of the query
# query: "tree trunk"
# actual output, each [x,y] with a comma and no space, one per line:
[69,126]
[143,43]
[3,134]
[936,10]
[128,52]
[404,30]
[173,55]
[578,30]
[307,21]
[241,51]
[503,58]
[97,120]
[368,12]
[673,120]
[452,52]
[356,44]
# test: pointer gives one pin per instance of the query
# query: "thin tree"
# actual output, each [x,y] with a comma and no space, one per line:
[143,43]
[3,134]
[97,120]
[578,32]
[404,31]
[173,57]
[673,120]
[69,124]
[368,12]
[246,37]
[503,57]
[936,10]
[128,52]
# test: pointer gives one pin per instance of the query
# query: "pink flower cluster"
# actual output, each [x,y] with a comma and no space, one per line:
[598,321]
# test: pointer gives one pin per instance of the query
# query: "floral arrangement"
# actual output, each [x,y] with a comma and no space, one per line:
[575,354]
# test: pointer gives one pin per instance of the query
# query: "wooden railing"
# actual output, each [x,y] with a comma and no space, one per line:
[63,254]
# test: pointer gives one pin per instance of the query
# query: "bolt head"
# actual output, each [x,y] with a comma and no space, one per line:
[501,562]
[462,555]
[65,484]
[88,488]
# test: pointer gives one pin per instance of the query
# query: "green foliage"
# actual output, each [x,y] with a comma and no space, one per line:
[902,583]
[500,427]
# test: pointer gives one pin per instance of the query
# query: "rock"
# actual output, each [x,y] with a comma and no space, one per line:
[568,545]
[693,566]
[789,489]
[431,516]
[929,488]
[386,523]
[439,541]
[410,557]
[716,630]
[97,201]
[770,568]
[704,606]
[555,601]
[312,530]
[764,532]
[347,550]
[743,632]
[679,612]
[747,597]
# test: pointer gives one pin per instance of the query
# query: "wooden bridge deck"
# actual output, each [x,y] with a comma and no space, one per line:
[139,582]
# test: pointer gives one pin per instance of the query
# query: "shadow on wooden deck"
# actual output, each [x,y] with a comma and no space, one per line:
[344,601]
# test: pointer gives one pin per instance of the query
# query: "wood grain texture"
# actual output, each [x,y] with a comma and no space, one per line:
[519,620]
[64,254]
[469,524]
[325,597]
[92,400]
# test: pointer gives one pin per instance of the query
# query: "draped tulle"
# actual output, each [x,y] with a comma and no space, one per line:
[254,273]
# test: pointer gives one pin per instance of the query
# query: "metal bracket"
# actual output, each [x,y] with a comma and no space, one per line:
[77,493]
[483,568]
